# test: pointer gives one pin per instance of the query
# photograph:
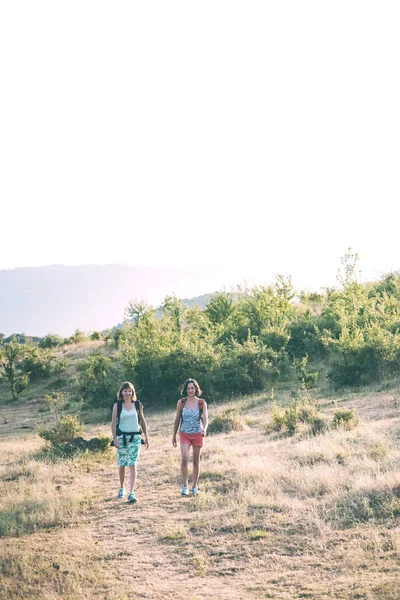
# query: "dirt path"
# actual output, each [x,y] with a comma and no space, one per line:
[155,552]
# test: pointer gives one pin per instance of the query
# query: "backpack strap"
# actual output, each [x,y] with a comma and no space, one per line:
[119,409]
[201,406]
[137,406]
[182,403]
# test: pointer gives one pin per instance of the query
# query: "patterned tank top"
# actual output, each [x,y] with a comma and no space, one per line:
[191,420]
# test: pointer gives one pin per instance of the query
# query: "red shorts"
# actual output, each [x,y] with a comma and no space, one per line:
[193,439]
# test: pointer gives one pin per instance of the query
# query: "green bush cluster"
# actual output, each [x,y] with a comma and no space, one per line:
[301,410]
[65,435]
[79,445]
[22,363]
[345,418]
[239,343]
[236,345]
[362,332]
[228,420]
[51,340]
[98,380]
[66,429]
[37,362]
[243,341]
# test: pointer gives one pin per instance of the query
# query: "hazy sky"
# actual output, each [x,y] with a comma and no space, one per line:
[260,135]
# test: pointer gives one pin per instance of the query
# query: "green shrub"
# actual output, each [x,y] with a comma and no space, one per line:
[219,307]
[99,379]
[11,367]
[305,410]
[37,362]
[304,329]
[318,425]
[56,401]
[79,445]
[306,377]
[245,367]
[227,421]
[363,356]
[96,336]
[51,340]
[285,419]
[77,338]
[59,365]
[159,359]
[345,418]
[302,410]
[363,336]
[66,429]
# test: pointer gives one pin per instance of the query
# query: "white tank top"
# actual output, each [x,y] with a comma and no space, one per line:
[128,420]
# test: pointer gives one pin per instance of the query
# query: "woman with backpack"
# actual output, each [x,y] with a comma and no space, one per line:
[126,426]
[192,417]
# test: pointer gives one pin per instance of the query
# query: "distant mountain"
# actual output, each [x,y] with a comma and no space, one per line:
[60,299]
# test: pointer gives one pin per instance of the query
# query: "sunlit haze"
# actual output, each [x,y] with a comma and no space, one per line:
[255,137]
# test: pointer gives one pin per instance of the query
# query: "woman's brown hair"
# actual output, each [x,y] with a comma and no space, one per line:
[196,385]
[124,386]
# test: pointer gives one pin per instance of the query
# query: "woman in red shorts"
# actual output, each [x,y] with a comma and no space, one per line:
[191,414]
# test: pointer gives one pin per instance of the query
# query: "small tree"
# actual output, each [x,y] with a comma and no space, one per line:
[306,378]
[347,274]
[38,362]
[55,402]
[77,338]
[96,336]
[173,307]
[11,368]
[137,309]
[219,307]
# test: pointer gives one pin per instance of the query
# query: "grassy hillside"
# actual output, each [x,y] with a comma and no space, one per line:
[278,516]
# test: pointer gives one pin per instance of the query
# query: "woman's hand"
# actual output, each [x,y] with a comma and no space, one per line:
[174,441]
[146,441]
[204,432]
[116,442]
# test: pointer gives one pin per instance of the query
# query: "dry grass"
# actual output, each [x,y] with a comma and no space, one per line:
[277,517]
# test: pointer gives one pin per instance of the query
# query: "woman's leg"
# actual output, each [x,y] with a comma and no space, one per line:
[132,478]
[121,471]
[184,462]
[196,465]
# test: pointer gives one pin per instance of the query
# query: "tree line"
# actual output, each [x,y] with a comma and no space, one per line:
[241,342]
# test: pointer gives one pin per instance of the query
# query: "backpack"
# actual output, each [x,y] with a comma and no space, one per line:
[182,403]
[118,432]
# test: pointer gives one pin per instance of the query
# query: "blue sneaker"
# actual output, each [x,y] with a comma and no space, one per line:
[121,493]
[185,491]
[131,498]
[195,491]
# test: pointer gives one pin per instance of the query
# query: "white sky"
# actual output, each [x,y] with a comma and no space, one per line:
[261,135]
